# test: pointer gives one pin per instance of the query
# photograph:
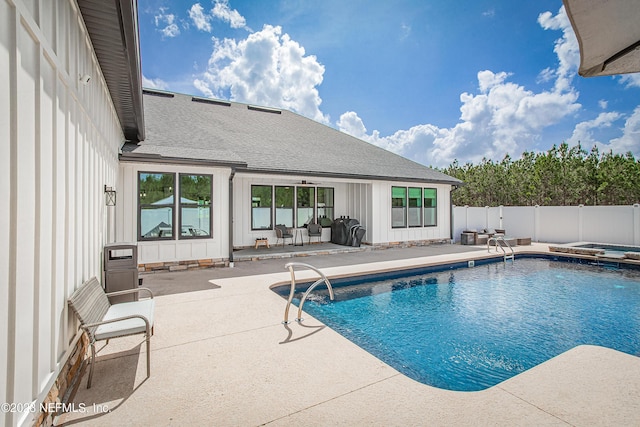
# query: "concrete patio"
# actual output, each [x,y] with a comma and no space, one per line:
[222,357]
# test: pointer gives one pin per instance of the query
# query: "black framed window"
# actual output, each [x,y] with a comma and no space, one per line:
[195,205]
[325,205]
[305,206]
[285,197]
[261,205]
[398,207]
[430,207]
[156,203]
[414,212]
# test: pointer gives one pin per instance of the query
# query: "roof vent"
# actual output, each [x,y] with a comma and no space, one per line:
[211,101]
[264,109]
[157,93]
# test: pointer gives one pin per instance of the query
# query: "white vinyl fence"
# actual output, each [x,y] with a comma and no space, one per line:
[554,224]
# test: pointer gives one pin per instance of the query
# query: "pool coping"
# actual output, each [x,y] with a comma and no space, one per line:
[221,356]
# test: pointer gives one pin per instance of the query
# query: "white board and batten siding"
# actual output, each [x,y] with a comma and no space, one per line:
[368,201]
[60,148]
[153,251]
[383,232]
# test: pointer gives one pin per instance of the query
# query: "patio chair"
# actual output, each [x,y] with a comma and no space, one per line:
[102,320]
[315,230]
[282,232]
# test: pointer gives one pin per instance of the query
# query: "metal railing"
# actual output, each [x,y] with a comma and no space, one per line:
[291,267]
[500,242]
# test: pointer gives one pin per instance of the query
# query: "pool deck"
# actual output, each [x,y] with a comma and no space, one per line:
[222,357]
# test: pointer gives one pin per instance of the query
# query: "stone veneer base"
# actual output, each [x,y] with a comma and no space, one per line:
[66,384]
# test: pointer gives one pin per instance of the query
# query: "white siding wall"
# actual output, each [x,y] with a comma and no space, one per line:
[242,233]
[367,201]
[382,232]
[60,145]
[173,250]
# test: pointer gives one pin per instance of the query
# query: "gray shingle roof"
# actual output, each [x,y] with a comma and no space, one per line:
[263,140]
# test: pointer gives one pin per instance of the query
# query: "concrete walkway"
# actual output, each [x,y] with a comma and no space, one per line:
[221,357]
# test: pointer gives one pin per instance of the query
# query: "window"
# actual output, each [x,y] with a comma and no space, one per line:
[306,204]
[415,207]
[261,202]
[430,207]
[156,205]
[284,205]
[398,207]
[195,205]
[325,204]
[291,206]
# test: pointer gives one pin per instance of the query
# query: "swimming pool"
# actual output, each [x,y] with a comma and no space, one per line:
[468,329]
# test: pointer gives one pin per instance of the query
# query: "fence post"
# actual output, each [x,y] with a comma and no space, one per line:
[580,221]
[466,217]
[636,224]
[536,222]
[486,217]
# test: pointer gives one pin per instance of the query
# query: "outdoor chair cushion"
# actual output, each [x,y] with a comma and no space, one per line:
[129,326]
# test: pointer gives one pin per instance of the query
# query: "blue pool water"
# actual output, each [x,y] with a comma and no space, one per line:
[470,328]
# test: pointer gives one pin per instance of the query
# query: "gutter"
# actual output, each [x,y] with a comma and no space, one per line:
[233,173]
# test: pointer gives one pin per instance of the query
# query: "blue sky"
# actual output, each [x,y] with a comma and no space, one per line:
[431,80]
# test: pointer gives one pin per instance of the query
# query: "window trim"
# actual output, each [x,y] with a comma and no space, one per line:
[404,207]
[420,207]
[326,207]
[180,205]
[295,187]
[313,205]
[423,207]
[141,238]
[434,207]
[292,207]
[271,213]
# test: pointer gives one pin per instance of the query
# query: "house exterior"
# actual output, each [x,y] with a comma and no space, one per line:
[255,167]
[73,126]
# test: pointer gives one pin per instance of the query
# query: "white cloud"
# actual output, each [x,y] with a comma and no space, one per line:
[405,31]
[154,83]
[583,131]
[222,11]
[502,117]
[170,28]
[198,17]
[487,80]
[566,47]
[631,80]
[630,136]
[603,104]
[266,68]
[489,13]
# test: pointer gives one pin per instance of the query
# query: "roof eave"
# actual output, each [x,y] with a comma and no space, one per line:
[159,159]
[317,174]
[113,29]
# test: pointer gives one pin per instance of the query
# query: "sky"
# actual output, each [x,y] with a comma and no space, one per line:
[434,81]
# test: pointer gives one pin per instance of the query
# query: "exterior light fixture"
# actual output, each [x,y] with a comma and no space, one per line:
[85,79]
[110,195]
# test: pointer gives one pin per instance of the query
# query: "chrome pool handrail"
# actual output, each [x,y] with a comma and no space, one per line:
[497,239]
[291,267]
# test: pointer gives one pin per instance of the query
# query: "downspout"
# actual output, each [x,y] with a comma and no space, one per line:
[454,188]
[233,173]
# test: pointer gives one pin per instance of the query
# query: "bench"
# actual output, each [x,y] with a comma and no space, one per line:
[102,320]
